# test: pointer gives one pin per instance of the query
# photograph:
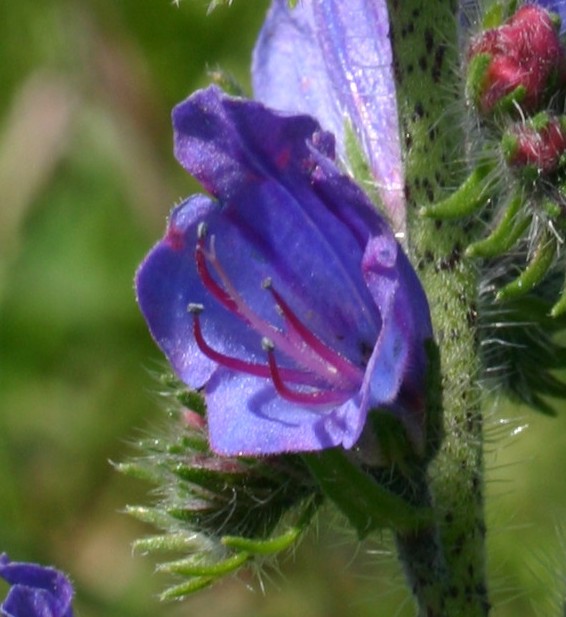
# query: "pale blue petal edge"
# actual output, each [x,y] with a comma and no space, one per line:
[333,60]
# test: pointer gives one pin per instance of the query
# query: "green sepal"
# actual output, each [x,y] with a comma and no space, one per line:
[194,566]
[195,442]
[540,122]
[525,359]
[395,447]
[215,514]
[497,13]
[470,197]
[193,400]
[475,79]
[209,479]
[366,504]
[264,547]
[555,19]
[185,589]
[171,542]
[509,146]
[510,228]
[559,308]
[508,104]
[551,209]
[139,471]
[533,274]
[189,399]
[292,3]
[226,81]
[149,515]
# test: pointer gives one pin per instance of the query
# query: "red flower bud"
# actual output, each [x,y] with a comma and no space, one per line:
[538,145]
[518,61]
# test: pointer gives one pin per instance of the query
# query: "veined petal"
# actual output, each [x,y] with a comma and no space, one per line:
[262,166]
[399,355]
[246,417]
[288,69]
[333,59]
[28,602]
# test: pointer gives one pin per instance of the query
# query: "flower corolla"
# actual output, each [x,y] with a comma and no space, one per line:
[283,296]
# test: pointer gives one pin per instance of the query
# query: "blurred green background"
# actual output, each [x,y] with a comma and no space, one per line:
[87,178]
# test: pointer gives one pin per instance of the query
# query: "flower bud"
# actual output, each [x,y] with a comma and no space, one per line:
[536,147]
[518,62]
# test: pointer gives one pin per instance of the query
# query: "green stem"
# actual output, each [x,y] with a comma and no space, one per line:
[445,566]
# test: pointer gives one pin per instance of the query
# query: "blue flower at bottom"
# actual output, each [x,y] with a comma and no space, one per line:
[36,591]
[285,296]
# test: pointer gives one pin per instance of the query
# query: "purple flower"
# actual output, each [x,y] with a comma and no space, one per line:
[285,296]
[36,591]
[332,59]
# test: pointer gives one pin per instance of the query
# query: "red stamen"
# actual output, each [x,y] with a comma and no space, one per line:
[316,397]
[318,362]
[235,364]
[211,285]
[341,364]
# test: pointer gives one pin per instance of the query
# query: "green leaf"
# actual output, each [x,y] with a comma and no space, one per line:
[226,81]
[171,542]
[511,227]
[473,194]
[195,566]
[192,400]
[263,547]
[535,271]
[185,589]
[366,504]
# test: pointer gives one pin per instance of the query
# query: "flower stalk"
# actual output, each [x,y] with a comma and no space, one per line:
[445,565]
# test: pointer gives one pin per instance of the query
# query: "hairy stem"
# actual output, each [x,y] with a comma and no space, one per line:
[445,565]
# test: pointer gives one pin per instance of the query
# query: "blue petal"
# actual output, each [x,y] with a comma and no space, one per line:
[28,602]
[386,367]
[289,72]
[263,167]
[167,282]
[246,417]
[282,211]
[333,60]
[557,6]
[37,591]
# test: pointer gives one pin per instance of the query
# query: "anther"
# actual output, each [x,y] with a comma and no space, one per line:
[202,229]
[267,344]
[194,308]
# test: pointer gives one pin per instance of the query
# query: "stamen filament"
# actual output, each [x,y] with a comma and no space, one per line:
[338,362]
[211,285]
[236,364]
[251,368]
[316,397]
[319,362]
[231,300]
